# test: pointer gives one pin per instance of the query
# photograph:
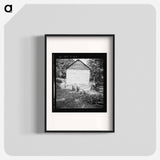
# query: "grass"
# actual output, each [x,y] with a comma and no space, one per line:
[66,98]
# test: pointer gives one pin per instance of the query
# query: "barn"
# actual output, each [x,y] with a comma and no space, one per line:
[78,74]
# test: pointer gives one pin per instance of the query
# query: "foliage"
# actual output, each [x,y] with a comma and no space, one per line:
[92,98]
[58,80]
[77,99]
[61,65]
[58,86]
[96,66]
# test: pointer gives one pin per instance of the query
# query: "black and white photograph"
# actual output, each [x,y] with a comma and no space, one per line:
[79,82]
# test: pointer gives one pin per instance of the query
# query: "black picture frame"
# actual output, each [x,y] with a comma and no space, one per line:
[113,92]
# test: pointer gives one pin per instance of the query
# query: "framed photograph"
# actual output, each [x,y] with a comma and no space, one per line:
[79,83]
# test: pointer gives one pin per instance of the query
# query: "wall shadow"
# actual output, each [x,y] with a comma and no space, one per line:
[39,85]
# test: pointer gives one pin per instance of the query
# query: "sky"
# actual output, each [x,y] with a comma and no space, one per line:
[83,60]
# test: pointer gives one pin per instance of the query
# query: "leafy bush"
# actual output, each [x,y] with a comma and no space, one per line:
[58,80]
[92,98]
[57,86]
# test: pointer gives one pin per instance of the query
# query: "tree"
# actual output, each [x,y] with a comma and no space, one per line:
[61,65]
[96,66]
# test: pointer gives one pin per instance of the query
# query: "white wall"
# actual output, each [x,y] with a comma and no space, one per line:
[77,76]
[24,67]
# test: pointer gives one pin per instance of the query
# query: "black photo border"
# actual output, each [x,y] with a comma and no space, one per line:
[45,81]
[80,55]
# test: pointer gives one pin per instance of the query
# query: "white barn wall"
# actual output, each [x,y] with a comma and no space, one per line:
[77,76]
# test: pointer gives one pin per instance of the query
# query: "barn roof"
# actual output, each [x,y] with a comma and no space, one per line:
[79,65]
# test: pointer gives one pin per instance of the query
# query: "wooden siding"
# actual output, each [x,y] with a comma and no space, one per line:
[78,77]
